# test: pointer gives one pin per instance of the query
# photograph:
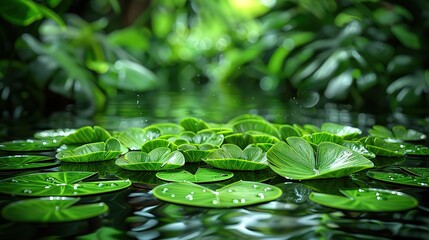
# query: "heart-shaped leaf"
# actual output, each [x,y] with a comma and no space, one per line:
[296,159]
[366,199]
[200,176]
[383,148]
[193,124]
[400,178]
[52,210]
[30,145]
[161,158]
[232,157]
[238,194]
[86,134]
[58,184]
[245,139]
[18,162]
[156,143]
[92,152]
[196,152]
[255,125]
[398,132]
[134,138]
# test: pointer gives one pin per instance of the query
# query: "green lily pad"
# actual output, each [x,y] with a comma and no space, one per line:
[158,159]
[255,125]
[134,138]
[156,143]
[194,124]
[245,139]
[296,159]
[367,200]
[52,210]
[382,148]
[400,178]
[245,117]
[413,149]
[238,194]
[398,132]
[92,152]
[166,128]
[30,145]
[18,162]
[86,134]
[196,152]
[58,184]
[54,133]
[232,157]
[205,137]
[345,132]
[201,175]
[319,137]
[359,148]
[287,130]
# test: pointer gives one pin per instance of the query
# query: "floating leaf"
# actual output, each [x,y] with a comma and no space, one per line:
[156,143]
[197,152]
[238,194]
[232,157]
[134,138]
[52,210]
[400,178]
[418,171]
[286,131]
[204,137]
[193,124]
[18,162]
[29,145]
[158,159]
[54,133]
[255,125]
[244,139]
[296,159]
[92,152]
[200,176]
[366,199]
[58,184]
[359,148]
[166,128]
[319,137]
[87,134]
[398,132]
[346,132]
[380,147]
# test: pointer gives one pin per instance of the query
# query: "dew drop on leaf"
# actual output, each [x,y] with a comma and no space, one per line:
[189,197]
[27,191]
[261,195]
[173,195]
[100,185]
[164,190]
[235,201]
[215,201]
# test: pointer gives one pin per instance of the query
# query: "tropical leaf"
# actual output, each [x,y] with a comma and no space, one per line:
[296,159]
[238,194]
[59,184]
[18,162]
[367,200]
[232,157]
[202,175]
[92,152]
[166,128]
[86,134]
[287,130]
[158,159]
[244,139]
[52,210]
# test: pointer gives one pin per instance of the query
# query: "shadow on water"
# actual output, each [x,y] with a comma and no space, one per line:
[137,214]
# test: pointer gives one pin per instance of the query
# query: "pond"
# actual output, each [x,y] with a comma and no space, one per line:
[136,213]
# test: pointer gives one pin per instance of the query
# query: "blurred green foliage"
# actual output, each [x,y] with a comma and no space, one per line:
[370,53]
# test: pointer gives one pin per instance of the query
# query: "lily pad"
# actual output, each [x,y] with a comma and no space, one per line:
[166,128]
[287,130]
[232,157]
[54,133]
[366,200]
[156,143]
[158,159]
[194,124]
[58,184]
[398,132]
[92,152]
[359,148]
[201,175]
[245,139]
[345,132]
[400,178]
[319,137]
[238,194]
[196,152]
[255,125]
[30,145]
[52,210]
[18,162]
[87,134]
[296,159]
[382,148]
[204,137]
[134,138]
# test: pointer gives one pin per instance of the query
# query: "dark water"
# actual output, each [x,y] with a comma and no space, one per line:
[136,214]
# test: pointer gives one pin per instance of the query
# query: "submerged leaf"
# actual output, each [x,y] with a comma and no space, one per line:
[52,210]
[238,194]
[296,159]
[366,199]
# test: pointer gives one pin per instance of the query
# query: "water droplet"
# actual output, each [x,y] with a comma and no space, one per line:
[204,190]
[164,190]
[27,191]
[255,186]
[100,185]
[361,190]
[231,190]
[192,193]
[14,180]
[261,195]
[423,184]
[75,193]
[50,179]
[235,201]
[76,186]
[215,201]
[173,195]
[113,185]
[189,197]
[57,208]
[243,200]
[267,189]
[379,198]
[47,187]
